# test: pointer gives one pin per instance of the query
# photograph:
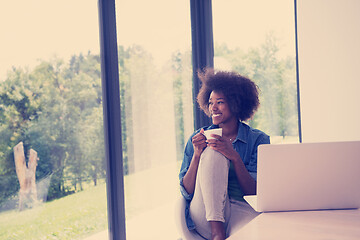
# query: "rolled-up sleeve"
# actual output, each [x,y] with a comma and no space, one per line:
[183,191]
[188,153]
[252,168]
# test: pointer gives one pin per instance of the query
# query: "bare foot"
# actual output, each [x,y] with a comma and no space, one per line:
[217,237]
[217,230]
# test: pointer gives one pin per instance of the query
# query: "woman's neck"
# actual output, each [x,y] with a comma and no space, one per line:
[230,129]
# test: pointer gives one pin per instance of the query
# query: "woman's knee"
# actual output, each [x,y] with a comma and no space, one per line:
[213,163]
[210,156]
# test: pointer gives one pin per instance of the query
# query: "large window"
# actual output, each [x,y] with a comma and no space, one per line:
[155,74]
[51,112]
[257,39]
[51,106]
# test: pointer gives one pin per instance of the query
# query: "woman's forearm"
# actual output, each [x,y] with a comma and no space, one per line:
[246,181]
[189,179]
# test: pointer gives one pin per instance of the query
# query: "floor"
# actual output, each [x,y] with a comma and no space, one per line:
[155,217]
[158,223]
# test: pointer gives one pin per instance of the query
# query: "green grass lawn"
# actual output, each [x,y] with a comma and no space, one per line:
[71,217]
[84,213]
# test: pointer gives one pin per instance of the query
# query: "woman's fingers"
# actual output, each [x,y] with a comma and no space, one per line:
[219,143]
[199,141]
[199,137]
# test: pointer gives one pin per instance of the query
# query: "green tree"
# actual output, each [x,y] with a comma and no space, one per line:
[126,111]
[56,110]
[275,77]
[19,106]
[181,74]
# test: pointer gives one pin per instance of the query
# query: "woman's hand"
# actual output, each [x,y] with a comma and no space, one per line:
[224,146]
[199,143]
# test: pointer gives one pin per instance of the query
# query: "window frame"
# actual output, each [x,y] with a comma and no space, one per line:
[202,50]
[112,117]
[297,72]
[202,56]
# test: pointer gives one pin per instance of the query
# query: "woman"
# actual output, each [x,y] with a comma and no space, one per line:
[216,173]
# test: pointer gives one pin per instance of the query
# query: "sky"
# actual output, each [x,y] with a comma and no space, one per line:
[245,23]
[40,29]
[34,30]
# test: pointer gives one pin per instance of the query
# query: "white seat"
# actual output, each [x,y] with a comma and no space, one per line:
[181,222]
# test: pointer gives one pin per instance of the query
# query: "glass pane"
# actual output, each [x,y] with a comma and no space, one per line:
[52,169]
[156,96]
[257,39]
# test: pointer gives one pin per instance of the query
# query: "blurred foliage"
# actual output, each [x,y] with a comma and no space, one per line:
[276,79]
[56,109]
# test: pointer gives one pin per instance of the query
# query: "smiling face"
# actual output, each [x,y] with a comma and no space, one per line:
[220,109]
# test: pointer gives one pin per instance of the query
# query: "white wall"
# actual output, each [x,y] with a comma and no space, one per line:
[329,67]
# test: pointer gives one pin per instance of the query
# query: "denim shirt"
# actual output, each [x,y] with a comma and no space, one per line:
[246,143]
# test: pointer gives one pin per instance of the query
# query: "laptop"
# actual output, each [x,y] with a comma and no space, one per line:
[307,176]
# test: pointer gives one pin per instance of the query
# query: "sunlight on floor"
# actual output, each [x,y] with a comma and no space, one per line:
[151,196]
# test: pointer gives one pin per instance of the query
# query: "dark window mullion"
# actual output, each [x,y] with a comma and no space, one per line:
[202,50]
[112,118]
[297,73]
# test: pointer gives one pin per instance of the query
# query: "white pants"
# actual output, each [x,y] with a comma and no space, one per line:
[211,201]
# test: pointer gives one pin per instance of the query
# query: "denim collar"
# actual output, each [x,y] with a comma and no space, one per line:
[242,132]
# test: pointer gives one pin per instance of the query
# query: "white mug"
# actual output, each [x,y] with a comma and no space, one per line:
[216,131]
